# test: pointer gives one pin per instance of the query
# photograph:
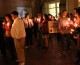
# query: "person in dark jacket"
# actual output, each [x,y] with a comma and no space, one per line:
[2,44]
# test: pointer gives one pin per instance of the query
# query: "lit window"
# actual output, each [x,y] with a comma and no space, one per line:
[78,0]
[57,4]
[51,5]
[54,9]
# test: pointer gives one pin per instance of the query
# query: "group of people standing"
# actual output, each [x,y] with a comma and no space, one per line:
[69,29]
[14,37]
[18,33]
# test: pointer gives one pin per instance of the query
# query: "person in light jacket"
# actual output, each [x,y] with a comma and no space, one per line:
[18,34]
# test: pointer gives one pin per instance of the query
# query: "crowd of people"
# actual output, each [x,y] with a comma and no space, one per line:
[17,33]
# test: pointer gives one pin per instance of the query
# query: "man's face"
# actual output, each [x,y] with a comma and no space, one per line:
[27,16]
[75,13]
[65,13]
[13,16]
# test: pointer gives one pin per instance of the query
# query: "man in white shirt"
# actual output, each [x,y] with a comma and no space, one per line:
[64,29]
[28,22]
[18,34]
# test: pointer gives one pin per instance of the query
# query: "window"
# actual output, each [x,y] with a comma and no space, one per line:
[78,3]
[78,0]
[54,9]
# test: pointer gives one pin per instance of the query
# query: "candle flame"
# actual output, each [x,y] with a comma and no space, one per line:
[3,23]
[72,30]
[75,25]
[38,19]
[67,23]
[7,24]
[68,19]
[74,19]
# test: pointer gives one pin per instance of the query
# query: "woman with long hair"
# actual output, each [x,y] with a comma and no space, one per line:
[7,35]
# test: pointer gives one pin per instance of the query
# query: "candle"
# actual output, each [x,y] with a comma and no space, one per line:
[7,24]
[74,19]
[75,25]
[67,23]
[38,19]
[72,30]
[3,23]
[68,19]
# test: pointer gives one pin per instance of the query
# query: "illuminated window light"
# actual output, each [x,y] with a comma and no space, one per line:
[78,0]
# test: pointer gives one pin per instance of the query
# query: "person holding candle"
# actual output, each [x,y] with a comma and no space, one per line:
[64,29]
[44,27]
[2,44]
[39,20]
[78,34]
[29,30]
[35,28]
[7,36]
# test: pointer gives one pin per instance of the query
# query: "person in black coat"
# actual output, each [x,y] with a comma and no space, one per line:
[2,44]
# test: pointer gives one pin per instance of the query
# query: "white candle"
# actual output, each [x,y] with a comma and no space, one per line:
[68,19]
[72,30]
[7,24]
[3,23]
[74,19]
[67,23]
[38,19]
[75,25]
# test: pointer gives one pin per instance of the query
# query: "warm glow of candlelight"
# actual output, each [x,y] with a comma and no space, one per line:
[3,23]
[38,19]
[68,19]
[75,25]
[72,30]
[67,23]
[74,19]
[7,24]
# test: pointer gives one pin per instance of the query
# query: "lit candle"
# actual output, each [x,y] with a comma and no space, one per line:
[68,19]
[72,30]
[38,19]
[3,23]
[74,19]
[7,24]
[75,25]
[71,22]
[67,23]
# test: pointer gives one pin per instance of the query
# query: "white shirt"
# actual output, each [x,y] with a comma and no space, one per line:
[28,22]
[64,25]
[17,29]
